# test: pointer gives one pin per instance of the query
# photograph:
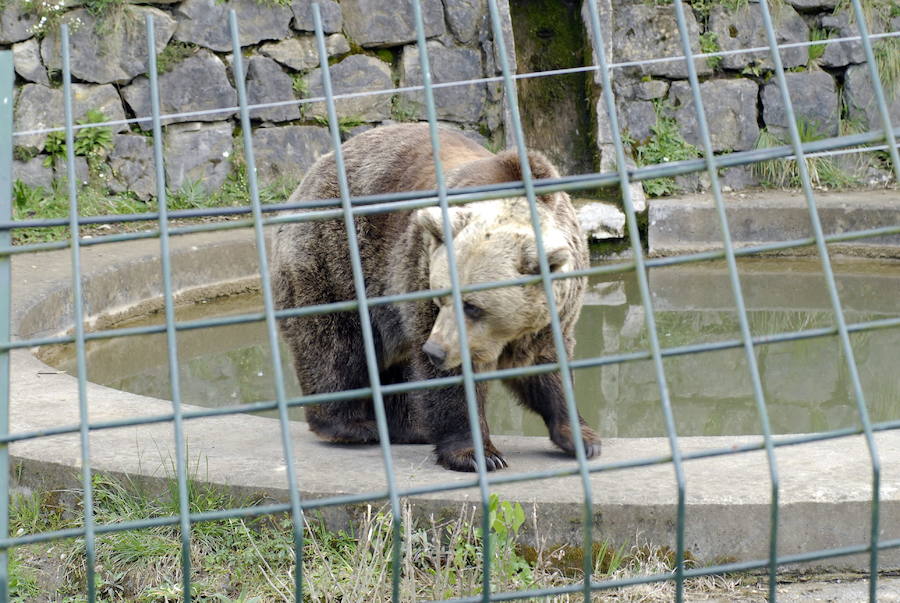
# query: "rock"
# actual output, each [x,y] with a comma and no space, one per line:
[332,19]
[470,134]
[463,18]
[377,23]
[646,31]
[103,98]
[82,171]
[131,166]
[287,152]
[356,73]
[118,54]
[841,54]
[205,22]
[730,107]
[38,107]
[813,6]
[648,90]
[602,220]
[197,83]
[33,173]
[198,153]
[860,98]
[738,177]
[814,98]
[266,83]
[457,103]
[637,117]
[301,53]
[27,62]
[743,28]
[16,22]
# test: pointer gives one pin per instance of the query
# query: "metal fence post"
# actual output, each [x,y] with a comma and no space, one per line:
[6,188]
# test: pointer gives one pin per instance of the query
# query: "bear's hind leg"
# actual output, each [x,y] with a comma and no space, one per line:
[544,395]
[338,366]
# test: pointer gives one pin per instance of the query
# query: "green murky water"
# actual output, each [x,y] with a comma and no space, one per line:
[805,382]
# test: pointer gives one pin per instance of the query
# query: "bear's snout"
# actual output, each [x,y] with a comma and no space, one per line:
[436,354]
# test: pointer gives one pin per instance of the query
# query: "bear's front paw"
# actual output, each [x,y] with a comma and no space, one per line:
[460,457]
[562,437]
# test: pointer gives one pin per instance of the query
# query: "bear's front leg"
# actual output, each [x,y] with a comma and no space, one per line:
[448,420]
[544,395]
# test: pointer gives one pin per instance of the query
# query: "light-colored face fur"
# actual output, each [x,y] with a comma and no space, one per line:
[493,241]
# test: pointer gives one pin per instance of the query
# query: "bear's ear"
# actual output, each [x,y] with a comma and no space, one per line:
[557,257]
[540,166]
[431,220]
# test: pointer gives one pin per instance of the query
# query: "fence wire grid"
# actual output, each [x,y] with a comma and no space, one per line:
[258,216]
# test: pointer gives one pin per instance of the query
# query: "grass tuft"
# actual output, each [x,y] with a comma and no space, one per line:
[824,172]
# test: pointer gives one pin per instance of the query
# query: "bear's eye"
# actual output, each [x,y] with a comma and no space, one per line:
[472,311]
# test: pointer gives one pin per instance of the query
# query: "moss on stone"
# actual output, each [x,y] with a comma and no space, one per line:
[549,35]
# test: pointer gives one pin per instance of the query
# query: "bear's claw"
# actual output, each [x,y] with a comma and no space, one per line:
[463,459]
[562,437]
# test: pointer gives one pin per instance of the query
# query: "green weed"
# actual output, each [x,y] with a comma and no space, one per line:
[709,42]
[300,85]
[816,51]
[345,124]
[173,54]
[91,143]
[404,109]
[664,145]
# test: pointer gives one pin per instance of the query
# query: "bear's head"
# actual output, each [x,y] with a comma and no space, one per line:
[494,241]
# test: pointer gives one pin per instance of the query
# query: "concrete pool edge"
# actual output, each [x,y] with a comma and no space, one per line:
[825,492]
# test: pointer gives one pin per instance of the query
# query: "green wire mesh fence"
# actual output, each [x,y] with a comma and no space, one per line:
[346,208]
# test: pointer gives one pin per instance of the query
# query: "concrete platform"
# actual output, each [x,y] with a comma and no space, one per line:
[825,493]
[691,224]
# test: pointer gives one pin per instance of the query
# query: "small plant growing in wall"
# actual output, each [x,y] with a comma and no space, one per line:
[709,42]
[90,143]
[664,145]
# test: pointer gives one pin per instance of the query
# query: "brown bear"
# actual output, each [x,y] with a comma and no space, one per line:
[403,251]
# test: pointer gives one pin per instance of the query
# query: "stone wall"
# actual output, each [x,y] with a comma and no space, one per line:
[830,87]
[371,47]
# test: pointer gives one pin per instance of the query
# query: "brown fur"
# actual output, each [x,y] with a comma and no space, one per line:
[403,251]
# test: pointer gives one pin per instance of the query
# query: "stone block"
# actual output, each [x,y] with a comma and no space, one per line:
[462,104]
[198,83]
[288,151]
[118,54]
[33,172]
[730,108]
[16,23]
[38,107]
[356,73]
[301,53]
[131,166]
[814,98]
[647,31]
[266,83]
[332,18]
[378,23]
[859,94]
[743,28]
[463,18]
[198,153]
[205,22]
[27,62]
